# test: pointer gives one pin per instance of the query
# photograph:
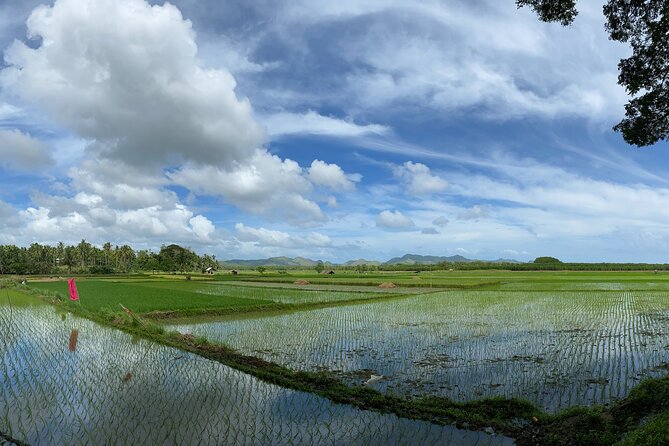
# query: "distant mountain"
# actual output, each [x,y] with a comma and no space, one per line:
[361,262]
[415,259]
[272,261]
[408,259]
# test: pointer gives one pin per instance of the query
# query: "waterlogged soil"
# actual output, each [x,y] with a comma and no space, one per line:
[555,349]
[67,380]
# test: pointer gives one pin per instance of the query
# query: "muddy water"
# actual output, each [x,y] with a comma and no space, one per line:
[554,349]
[69,381]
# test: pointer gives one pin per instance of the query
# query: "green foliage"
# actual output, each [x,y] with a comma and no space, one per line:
[649,396]
[654,432]
[85,258]
[8,283]
[261,269]
[546,260]
[579,426]
[176,258]
[562,11]
[101,270]
[644,24]
[319,267]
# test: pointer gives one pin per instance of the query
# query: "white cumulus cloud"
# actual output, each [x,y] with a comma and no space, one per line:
[394,220]
[265,185]
[419,179]
[125,75]
[331,175]
[20,151]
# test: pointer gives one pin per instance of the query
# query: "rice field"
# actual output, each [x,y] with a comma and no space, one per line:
[557,340]
[556,349]
[66,380]
[290,295]
[489,279]
[328,287]
[169,295]
[144,297]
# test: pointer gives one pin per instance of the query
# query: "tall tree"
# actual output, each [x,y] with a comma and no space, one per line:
[107,248]
[644,24]
[84,257]
[84,249]
[69,257]
[126,256]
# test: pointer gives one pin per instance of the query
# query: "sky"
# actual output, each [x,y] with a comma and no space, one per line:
[329,130]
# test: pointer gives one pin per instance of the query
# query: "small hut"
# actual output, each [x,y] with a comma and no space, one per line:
[209,270]
[234,272]
[329,272]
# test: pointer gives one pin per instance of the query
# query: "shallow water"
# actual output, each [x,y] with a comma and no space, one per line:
[554,349]
[102,386]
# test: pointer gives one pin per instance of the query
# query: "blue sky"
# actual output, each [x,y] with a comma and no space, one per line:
[331,130]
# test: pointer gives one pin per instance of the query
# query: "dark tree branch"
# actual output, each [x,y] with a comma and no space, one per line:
[644,24]
[561,11]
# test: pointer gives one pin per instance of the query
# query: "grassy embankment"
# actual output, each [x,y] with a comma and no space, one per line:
[639,419]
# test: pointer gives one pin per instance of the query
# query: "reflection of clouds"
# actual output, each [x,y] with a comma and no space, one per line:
[470,345]
[57,396]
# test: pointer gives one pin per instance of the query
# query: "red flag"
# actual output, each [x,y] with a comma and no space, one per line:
[73,289]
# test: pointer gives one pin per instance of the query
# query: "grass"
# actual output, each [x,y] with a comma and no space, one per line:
[143,298]
[653,433]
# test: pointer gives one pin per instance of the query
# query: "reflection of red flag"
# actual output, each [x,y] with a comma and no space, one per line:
[73,289]
[73,340]
[126,310]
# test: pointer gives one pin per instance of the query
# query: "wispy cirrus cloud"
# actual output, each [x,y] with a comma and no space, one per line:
[273,238]
[311,123]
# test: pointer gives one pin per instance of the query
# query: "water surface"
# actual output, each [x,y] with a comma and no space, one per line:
[556,349]
[69,381]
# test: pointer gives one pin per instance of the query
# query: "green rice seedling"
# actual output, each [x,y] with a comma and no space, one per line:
[113,391]
[556,349]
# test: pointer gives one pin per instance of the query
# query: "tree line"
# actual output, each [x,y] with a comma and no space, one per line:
[475,265]
[85,258]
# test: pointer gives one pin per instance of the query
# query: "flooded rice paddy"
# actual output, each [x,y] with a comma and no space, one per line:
[290,294]
[66,380]
[554,349]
